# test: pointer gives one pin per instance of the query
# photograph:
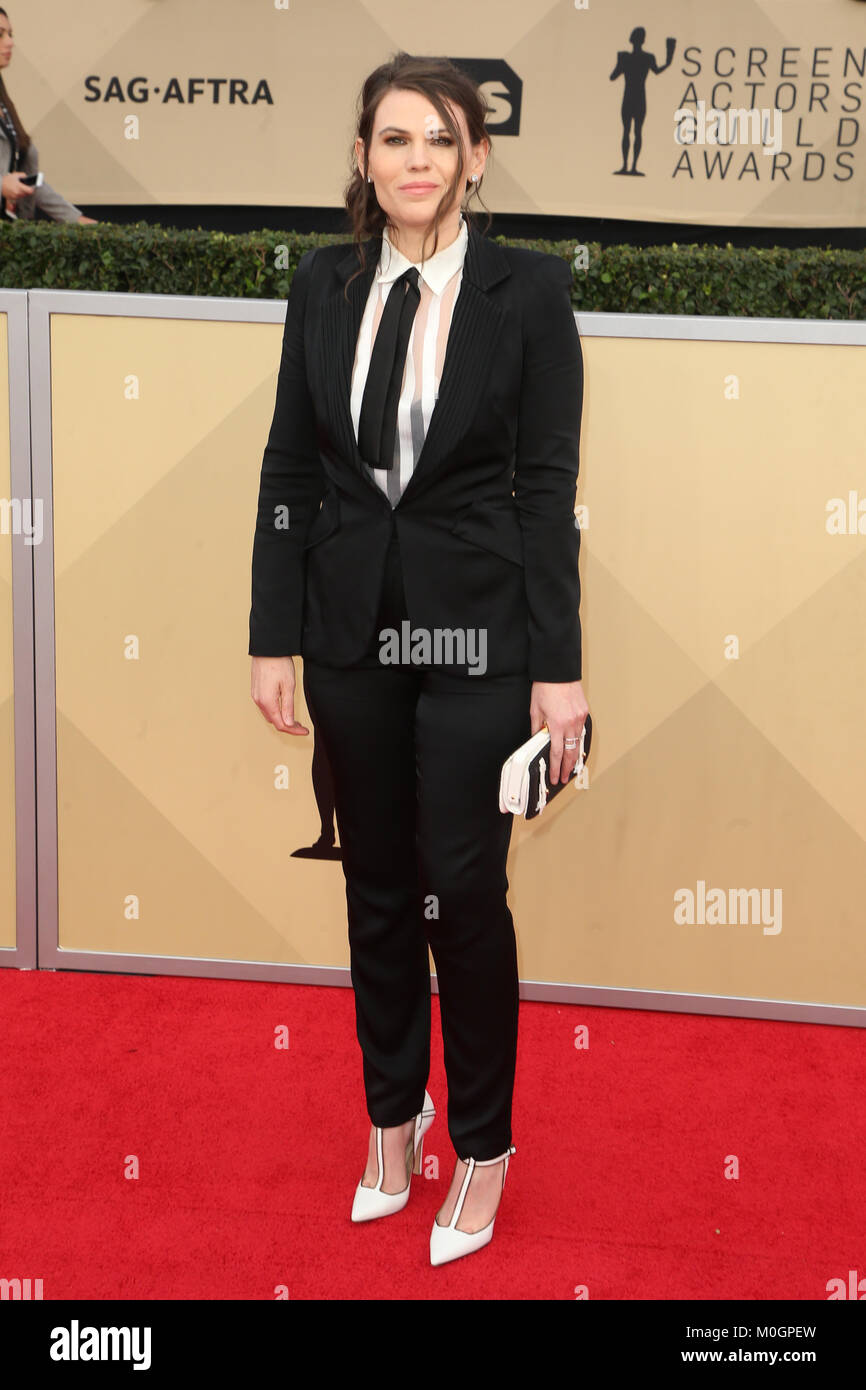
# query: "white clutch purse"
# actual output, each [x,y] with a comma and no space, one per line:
[524,789]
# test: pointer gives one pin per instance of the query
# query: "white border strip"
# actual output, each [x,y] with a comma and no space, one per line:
[723,329]
[13,303]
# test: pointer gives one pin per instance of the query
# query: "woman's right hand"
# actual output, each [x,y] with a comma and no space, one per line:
[273,689]
[12,188]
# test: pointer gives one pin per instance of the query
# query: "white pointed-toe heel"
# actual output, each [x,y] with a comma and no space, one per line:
[372,1202]
[446,1242]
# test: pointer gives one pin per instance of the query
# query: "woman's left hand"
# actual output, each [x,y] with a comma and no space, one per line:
[563,708]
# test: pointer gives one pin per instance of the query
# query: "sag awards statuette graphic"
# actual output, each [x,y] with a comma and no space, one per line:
[635,68]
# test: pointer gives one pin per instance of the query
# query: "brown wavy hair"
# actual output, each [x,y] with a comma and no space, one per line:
[445,86]
[20,133]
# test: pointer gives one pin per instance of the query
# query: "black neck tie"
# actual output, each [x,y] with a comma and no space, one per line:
[377,424]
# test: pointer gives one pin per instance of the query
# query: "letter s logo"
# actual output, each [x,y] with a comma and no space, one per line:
[502,89]
[501,107]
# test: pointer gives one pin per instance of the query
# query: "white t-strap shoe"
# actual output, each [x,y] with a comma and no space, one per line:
[446,1242]
[372,1202]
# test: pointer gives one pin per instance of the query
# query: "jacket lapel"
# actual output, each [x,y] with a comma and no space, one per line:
[472,337]
[341,323]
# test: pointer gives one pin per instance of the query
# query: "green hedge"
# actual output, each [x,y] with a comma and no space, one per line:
[145,258]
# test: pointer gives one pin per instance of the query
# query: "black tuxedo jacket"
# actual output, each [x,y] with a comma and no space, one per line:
[486,526]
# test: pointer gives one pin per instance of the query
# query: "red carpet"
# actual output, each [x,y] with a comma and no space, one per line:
[248,1156]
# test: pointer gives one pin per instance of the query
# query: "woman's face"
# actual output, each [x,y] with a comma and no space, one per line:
[5,40]
[413,158]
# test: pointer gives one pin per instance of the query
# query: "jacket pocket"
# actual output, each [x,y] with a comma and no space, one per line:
[493,526]
[325,521]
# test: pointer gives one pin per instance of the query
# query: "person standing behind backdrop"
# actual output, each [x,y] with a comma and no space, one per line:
[19,156]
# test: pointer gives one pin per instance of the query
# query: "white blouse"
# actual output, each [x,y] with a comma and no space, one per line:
[439,284]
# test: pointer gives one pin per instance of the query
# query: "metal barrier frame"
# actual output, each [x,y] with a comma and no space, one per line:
[14,304]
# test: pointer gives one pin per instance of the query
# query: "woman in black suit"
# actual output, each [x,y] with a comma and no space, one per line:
[416,544]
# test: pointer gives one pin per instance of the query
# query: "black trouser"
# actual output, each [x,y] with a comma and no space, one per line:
[416,755]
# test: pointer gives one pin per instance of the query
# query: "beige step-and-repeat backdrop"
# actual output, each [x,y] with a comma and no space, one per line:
[213,101]
[719,850]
